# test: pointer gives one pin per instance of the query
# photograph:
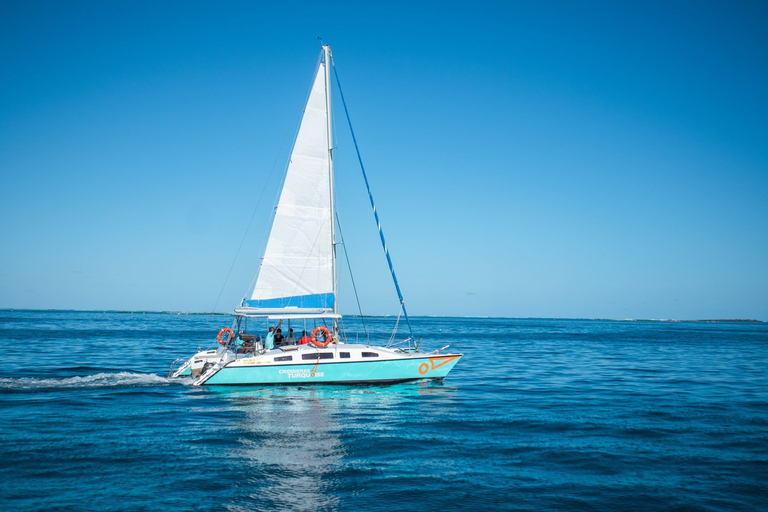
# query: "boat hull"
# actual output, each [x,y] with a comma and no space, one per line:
[352,372]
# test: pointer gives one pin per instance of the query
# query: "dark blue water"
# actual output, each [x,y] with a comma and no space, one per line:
[538,415]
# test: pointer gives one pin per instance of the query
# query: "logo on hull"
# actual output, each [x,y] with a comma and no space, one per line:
[435,362]
[301,373]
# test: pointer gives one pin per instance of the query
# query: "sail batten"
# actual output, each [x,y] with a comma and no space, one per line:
[296,271]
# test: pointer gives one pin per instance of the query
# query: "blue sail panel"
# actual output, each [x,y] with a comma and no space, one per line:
[314,301]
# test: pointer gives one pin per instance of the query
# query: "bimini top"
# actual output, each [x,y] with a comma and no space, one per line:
[282,314]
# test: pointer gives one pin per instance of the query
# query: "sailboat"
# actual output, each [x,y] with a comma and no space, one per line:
[296,285]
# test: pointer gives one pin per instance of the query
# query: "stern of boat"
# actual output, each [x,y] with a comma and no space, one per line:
[195,365]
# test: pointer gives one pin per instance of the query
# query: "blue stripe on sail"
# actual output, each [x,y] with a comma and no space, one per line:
[315,301]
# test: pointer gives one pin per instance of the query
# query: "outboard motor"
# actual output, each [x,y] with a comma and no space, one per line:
[197,367]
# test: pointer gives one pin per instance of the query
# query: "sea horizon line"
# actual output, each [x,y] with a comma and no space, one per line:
[204,313]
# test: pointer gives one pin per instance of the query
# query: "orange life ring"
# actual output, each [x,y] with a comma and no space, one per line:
[231,334]
[327,336]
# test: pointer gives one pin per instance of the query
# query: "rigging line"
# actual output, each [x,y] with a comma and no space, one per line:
[250,222]
[342,330]
[370,196]
[346,255]
[265,238]
[394,332]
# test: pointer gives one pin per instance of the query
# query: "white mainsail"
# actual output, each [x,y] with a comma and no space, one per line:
[296,275]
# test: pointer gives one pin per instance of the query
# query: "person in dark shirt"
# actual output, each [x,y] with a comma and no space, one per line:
[269,341]
[279,337]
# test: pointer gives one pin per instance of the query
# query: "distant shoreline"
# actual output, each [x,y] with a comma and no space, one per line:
[145,312]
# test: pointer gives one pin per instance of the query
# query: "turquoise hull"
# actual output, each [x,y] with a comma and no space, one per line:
[371,372]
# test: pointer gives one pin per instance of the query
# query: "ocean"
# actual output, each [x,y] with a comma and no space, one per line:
[539,414]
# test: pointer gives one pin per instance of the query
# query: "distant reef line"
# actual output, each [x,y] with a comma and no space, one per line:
[200,313]
[116,311]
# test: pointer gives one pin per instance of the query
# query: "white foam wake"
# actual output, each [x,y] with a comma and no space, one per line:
[100,380]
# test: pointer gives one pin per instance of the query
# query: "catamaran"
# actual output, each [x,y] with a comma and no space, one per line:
[297,284]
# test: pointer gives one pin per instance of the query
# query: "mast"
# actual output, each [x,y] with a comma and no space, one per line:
[327,59]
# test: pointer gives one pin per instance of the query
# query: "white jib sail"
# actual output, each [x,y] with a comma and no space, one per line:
[296,273]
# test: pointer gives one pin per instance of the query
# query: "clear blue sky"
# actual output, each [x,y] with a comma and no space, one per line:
[532,159]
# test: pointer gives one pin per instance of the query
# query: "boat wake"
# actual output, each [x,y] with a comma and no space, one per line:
[99,380]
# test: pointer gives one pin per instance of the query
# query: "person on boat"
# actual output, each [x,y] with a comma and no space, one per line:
[245,347]
[269,341]
[290,339]
[304,338]
[279,338]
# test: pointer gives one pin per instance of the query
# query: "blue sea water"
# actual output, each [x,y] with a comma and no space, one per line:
[538,415]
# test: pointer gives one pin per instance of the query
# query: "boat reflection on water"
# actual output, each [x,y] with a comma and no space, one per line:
[291,442]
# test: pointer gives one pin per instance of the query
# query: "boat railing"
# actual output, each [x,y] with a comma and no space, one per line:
[180,362]
[456,344]
[390,345]
[256,349]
